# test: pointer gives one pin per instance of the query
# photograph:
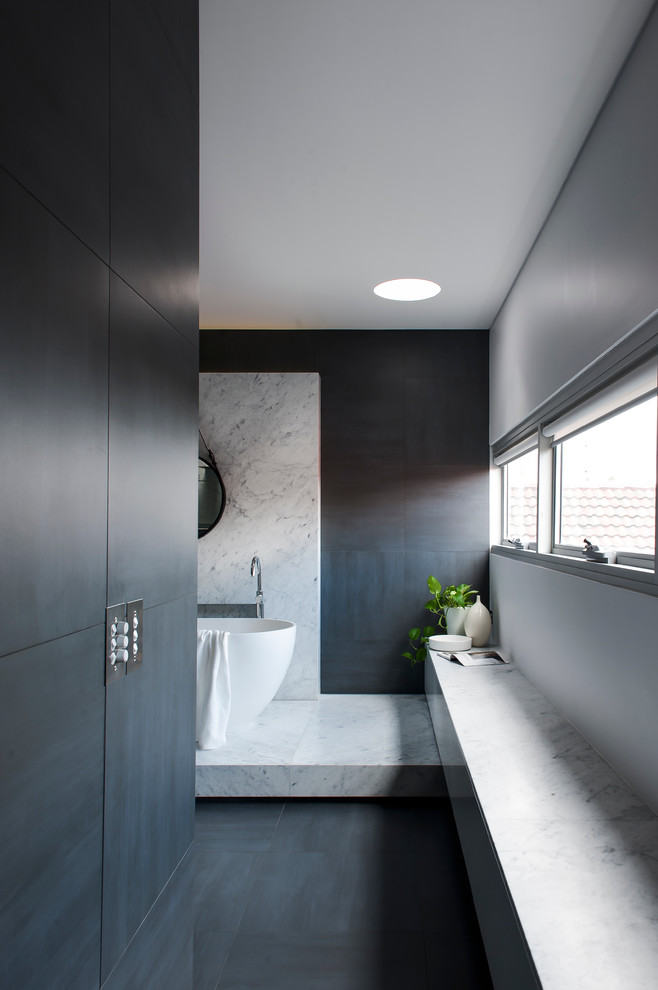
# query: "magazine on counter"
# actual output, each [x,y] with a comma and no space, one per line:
[481,657]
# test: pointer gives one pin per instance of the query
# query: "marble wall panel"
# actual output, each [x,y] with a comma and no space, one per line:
[264,432]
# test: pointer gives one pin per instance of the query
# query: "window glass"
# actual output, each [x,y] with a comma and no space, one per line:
[521,498]
[607,483]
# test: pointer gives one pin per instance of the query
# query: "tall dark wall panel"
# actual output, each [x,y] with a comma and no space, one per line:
[179,20]
[405,493]
[53,494]
[98,417]
[53,415]
[149,817]
[152,502]
[151,555]
[54,110]
[154,177]
[51,795]
[163,955]
[404,475]
[153,390]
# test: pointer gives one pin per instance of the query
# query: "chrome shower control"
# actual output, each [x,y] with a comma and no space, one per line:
[135,615]
[123,639]
[116,642]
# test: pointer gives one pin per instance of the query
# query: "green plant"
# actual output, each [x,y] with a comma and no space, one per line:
[418,642]
[452,596]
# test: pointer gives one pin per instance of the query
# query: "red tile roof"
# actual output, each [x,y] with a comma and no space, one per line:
[612,518]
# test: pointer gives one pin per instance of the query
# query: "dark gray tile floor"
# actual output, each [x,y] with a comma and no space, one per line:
[332,895]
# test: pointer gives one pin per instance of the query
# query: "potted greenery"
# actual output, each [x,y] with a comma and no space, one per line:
[449,604]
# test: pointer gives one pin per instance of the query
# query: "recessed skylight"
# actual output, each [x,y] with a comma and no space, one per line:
[407,289]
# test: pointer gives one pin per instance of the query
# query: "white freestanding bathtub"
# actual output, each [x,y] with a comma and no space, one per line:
[259,654]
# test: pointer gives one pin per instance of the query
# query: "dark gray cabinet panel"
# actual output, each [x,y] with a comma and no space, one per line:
[180,23]
[53,415]
[51,795]
[153,455]
[57,332]
[154,175]
[56,145]
[149,775]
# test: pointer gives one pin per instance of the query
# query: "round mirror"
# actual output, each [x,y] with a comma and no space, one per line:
[212,497]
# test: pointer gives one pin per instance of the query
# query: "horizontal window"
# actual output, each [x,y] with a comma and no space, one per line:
[520,498]
[606,483]
[584,486]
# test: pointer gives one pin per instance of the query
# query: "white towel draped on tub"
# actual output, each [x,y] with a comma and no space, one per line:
[213,688]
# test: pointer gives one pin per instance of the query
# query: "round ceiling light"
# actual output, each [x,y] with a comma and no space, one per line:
[407,289]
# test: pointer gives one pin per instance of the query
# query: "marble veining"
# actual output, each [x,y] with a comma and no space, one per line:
[272,739]
[579,849]
[368,729]
[264,432]
[337,746]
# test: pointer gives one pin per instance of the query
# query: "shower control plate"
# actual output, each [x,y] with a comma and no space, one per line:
[123,639]
[116,641]
[134,617]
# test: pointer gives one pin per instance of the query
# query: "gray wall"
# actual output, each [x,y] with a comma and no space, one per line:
[591,277]
[98,182]
[591,649]
[589,280]
[404,481]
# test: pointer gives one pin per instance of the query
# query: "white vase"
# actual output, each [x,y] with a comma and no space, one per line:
[455,621]
[477,623]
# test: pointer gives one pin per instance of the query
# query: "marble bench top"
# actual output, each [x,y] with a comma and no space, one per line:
[578,847]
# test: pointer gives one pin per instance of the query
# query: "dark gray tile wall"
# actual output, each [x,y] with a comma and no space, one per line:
[98,412]
[150,744]
[153,442]
[54,109]
[404,476]
[53,416]
[152,503]
[154,118]
[51,795]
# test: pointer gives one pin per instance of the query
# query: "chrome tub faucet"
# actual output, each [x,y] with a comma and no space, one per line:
[256,571]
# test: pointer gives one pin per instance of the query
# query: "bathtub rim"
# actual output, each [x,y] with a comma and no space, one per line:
[244,626]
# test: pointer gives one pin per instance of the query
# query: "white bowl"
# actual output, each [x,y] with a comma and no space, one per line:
[450,644]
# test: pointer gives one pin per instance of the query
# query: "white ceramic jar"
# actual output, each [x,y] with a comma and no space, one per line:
[477,623]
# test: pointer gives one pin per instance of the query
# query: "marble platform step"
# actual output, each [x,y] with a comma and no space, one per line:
[338,746]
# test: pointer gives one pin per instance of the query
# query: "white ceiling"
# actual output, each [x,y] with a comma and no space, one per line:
[344,142]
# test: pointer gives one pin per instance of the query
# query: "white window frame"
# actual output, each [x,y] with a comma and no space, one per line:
[502,461]
[622,394]
[632,570]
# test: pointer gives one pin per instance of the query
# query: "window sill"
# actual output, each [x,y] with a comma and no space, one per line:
[630,578]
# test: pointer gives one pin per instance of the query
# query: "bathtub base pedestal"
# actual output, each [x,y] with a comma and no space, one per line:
[338,746]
